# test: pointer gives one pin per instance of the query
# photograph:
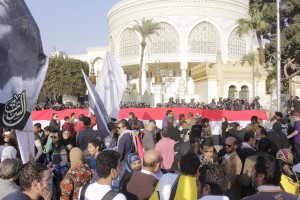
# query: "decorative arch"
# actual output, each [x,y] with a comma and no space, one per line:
[237,46]
[129,44]
[166,42]
[112,46]
[244,92]
[232,90]
[204,38]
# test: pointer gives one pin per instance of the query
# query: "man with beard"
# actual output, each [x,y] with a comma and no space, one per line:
[233,167]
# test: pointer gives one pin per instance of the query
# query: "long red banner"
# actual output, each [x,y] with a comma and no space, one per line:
[159,113]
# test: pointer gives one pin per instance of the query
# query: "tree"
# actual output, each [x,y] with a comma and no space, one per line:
[145,29]
[64,76]
[257,23]
[290,36]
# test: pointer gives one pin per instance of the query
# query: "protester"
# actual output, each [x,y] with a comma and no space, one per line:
[79,124]
[264,147]
[108,168]
[247,148]
[39,156]
[37,129]
[67,140]
[94,148]
[84,136]
[206,130]
[68,126]
[8,152]
[166,148]
[233,167]
[145,179]
[35,182]
[266,175]
[125,142]
[111,140]
[9,172]
[296,135]
[78,174]
[212,182]
[224,127]
[47,147]
[207,152]
[169,114]
[191,121]
[174,186]
[174,133]
[55,123]
[147,139]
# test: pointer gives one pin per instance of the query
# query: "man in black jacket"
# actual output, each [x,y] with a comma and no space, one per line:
[55,123]
[84,136]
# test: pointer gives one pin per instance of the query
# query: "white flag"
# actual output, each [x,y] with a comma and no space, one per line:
[26,141]
[97,106]
[110,85]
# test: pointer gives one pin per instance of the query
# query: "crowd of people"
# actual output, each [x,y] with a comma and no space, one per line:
[221,104]
[142,161]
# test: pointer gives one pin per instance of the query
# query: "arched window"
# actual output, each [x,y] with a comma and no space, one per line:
[244,93]
[129,45]
[205,39]
[231,92]
[166,42]
[236,46]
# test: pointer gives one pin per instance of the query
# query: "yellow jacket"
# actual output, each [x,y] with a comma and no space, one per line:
[186,188]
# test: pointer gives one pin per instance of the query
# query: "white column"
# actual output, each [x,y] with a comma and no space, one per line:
[144,80]
[183,74]
[184,67]
[157,91]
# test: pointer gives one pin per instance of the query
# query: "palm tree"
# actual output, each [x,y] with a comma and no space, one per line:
[145,29]
[257,23]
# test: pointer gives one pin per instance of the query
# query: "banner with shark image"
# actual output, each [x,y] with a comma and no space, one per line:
[23,64]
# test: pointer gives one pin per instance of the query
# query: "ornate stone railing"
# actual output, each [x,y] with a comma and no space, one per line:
[232,3]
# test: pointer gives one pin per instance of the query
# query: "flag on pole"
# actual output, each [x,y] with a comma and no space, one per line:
[110,85]
[97,106]
[26,141]
[23,64]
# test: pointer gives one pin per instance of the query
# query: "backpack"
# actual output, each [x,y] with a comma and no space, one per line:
[108,196]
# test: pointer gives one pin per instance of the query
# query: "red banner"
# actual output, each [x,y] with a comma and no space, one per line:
[159,113]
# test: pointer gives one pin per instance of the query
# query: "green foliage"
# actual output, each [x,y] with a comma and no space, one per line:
[64,76]
[249,57]
[289,28]
[147,28]
[256,22]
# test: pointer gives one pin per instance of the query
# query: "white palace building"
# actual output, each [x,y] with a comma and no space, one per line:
[197,52]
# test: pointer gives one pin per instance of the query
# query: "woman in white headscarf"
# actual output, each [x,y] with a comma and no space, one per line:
[9,152]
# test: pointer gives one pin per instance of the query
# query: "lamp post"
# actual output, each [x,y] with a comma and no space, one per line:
[278,58]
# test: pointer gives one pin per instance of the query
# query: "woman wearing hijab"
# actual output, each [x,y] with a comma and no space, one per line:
[9,152]
[78,174]
[68,141]
[133,163]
